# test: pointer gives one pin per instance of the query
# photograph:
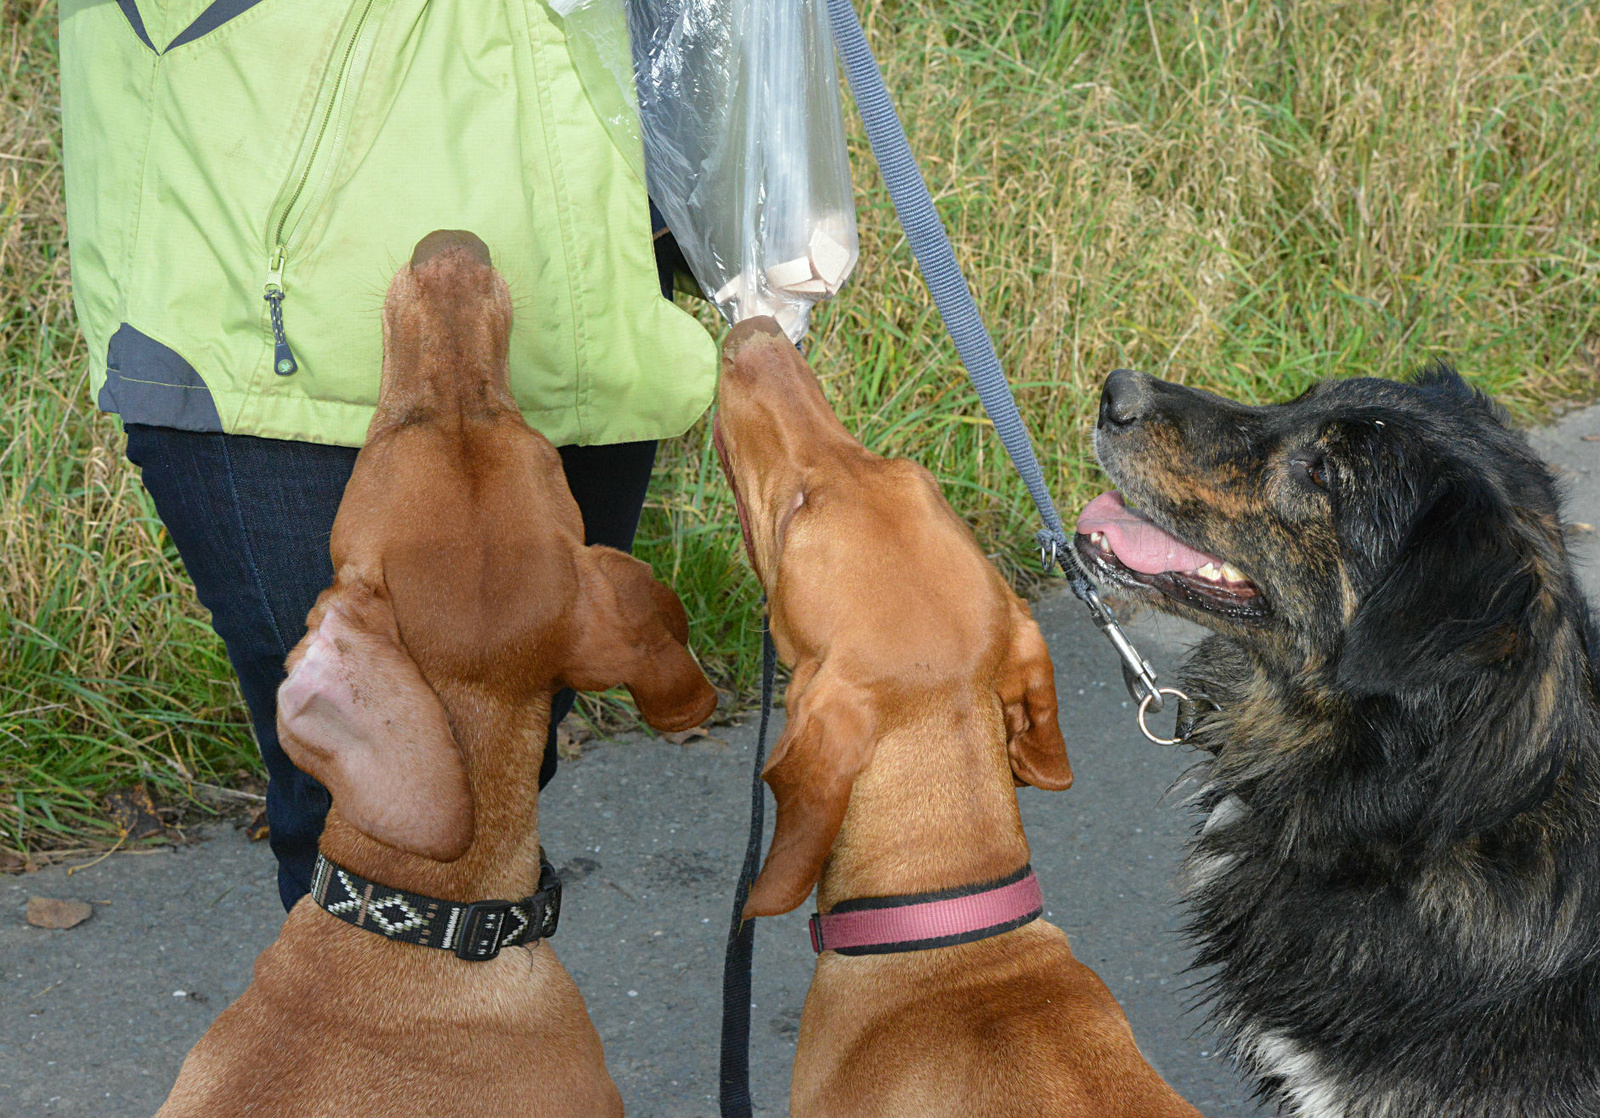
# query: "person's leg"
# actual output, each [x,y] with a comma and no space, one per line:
[251,520]
[609,484]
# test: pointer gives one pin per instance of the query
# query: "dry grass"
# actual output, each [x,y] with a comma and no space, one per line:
[108,669]
[1239,194]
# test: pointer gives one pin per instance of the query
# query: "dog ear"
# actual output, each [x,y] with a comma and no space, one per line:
[828,739]
[1027,688]
[631,630]
[356,713]
[1456,599]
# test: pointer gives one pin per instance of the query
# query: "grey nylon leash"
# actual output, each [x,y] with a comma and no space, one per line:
[937,260]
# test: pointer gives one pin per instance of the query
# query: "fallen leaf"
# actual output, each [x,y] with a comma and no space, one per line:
[52,912]
[1590,438]
[133,813]
[569,741]
[12,862]
[1580,527]
[683,736]
[257,829]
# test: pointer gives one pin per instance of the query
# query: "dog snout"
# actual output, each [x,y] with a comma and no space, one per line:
[746,332]
[444,240]
[1125,399]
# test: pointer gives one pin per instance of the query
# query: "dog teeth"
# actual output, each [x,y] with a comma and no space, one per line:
[1098,539]
[1226,573]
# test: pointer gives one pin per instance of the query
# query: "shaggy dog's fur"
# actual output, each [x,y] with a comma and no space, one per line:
[1398,876]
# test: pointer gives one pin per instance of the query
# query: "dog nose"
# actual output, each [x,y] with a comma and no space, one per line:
[1123,399]
[442,240]
[747,331]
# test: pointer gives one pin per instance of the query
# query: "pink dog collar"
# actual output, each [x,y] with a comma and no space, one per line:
[885,925]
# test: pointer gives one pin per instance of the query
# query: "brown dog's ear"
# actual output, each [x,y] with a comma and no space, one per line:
[828,739]
[356,714]
[1027,689]
[631,630]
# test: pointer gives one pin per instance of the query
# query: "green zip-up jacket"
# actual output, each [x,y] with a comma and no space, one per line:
[245,176]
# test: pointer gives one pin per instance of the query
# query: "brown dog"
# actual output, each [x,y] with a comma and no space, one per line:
[922,695]
[464,598]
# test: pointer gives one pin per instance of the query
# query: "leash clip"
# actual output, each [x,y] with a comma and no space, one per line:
[1138,676]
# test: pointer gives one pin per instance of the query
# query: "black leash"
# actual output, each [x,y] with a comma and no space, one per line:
[735,1072]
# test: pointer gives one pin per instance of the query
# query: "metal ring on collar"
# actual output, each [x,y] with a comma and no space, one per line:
[1144,704]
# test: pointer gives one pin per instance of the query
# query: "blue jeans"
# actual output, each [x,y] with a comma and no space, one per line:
[251,519]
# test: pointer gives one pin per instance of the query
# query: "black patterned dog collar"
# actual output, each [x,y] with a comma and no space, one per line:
[475,931]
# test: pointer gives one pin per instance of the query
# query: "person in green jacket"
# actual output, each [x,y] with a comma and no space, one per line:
[243,180]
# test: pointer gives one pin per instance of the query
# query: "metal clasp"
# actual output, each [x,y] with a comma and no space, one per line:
[1137,674]
[1145,704]
[1190,711]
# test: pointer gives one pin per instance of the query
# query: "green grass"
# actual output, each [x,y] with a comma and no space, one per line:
[1241,195]
[1244,196]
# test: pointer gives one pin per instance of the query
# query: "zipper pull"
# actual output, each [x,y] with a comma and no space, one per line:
[283,362]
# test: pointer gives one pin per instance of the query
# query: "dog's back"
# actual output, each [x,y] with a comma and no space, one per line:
[338,1022]
[1012,1026]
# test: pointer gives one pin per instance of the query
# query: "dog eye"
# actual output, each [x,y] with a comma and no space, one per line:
[1314,467]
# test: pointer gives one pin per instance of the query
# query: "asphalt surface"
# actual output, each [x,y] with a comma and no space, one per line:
[97,1019]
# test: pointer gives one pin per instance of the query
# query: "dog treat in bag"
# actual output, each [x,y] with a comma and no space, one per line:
[735,107]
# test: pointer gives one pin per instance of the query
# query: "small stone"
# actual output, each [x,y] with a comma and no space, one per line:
[51,912]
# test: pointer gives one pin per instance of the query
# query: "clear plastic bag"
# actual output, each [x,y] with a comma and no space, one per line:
[735,105]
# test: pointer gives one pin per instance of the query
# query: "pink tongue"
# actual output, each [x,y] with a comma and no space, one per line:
[1137,542]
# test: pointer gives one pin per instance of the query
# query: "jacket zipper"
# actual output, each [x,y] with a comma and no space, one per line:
[283,359]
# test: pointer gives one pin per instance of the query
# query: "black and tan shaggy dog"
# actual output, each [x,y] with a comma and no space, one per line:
[1398,876]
